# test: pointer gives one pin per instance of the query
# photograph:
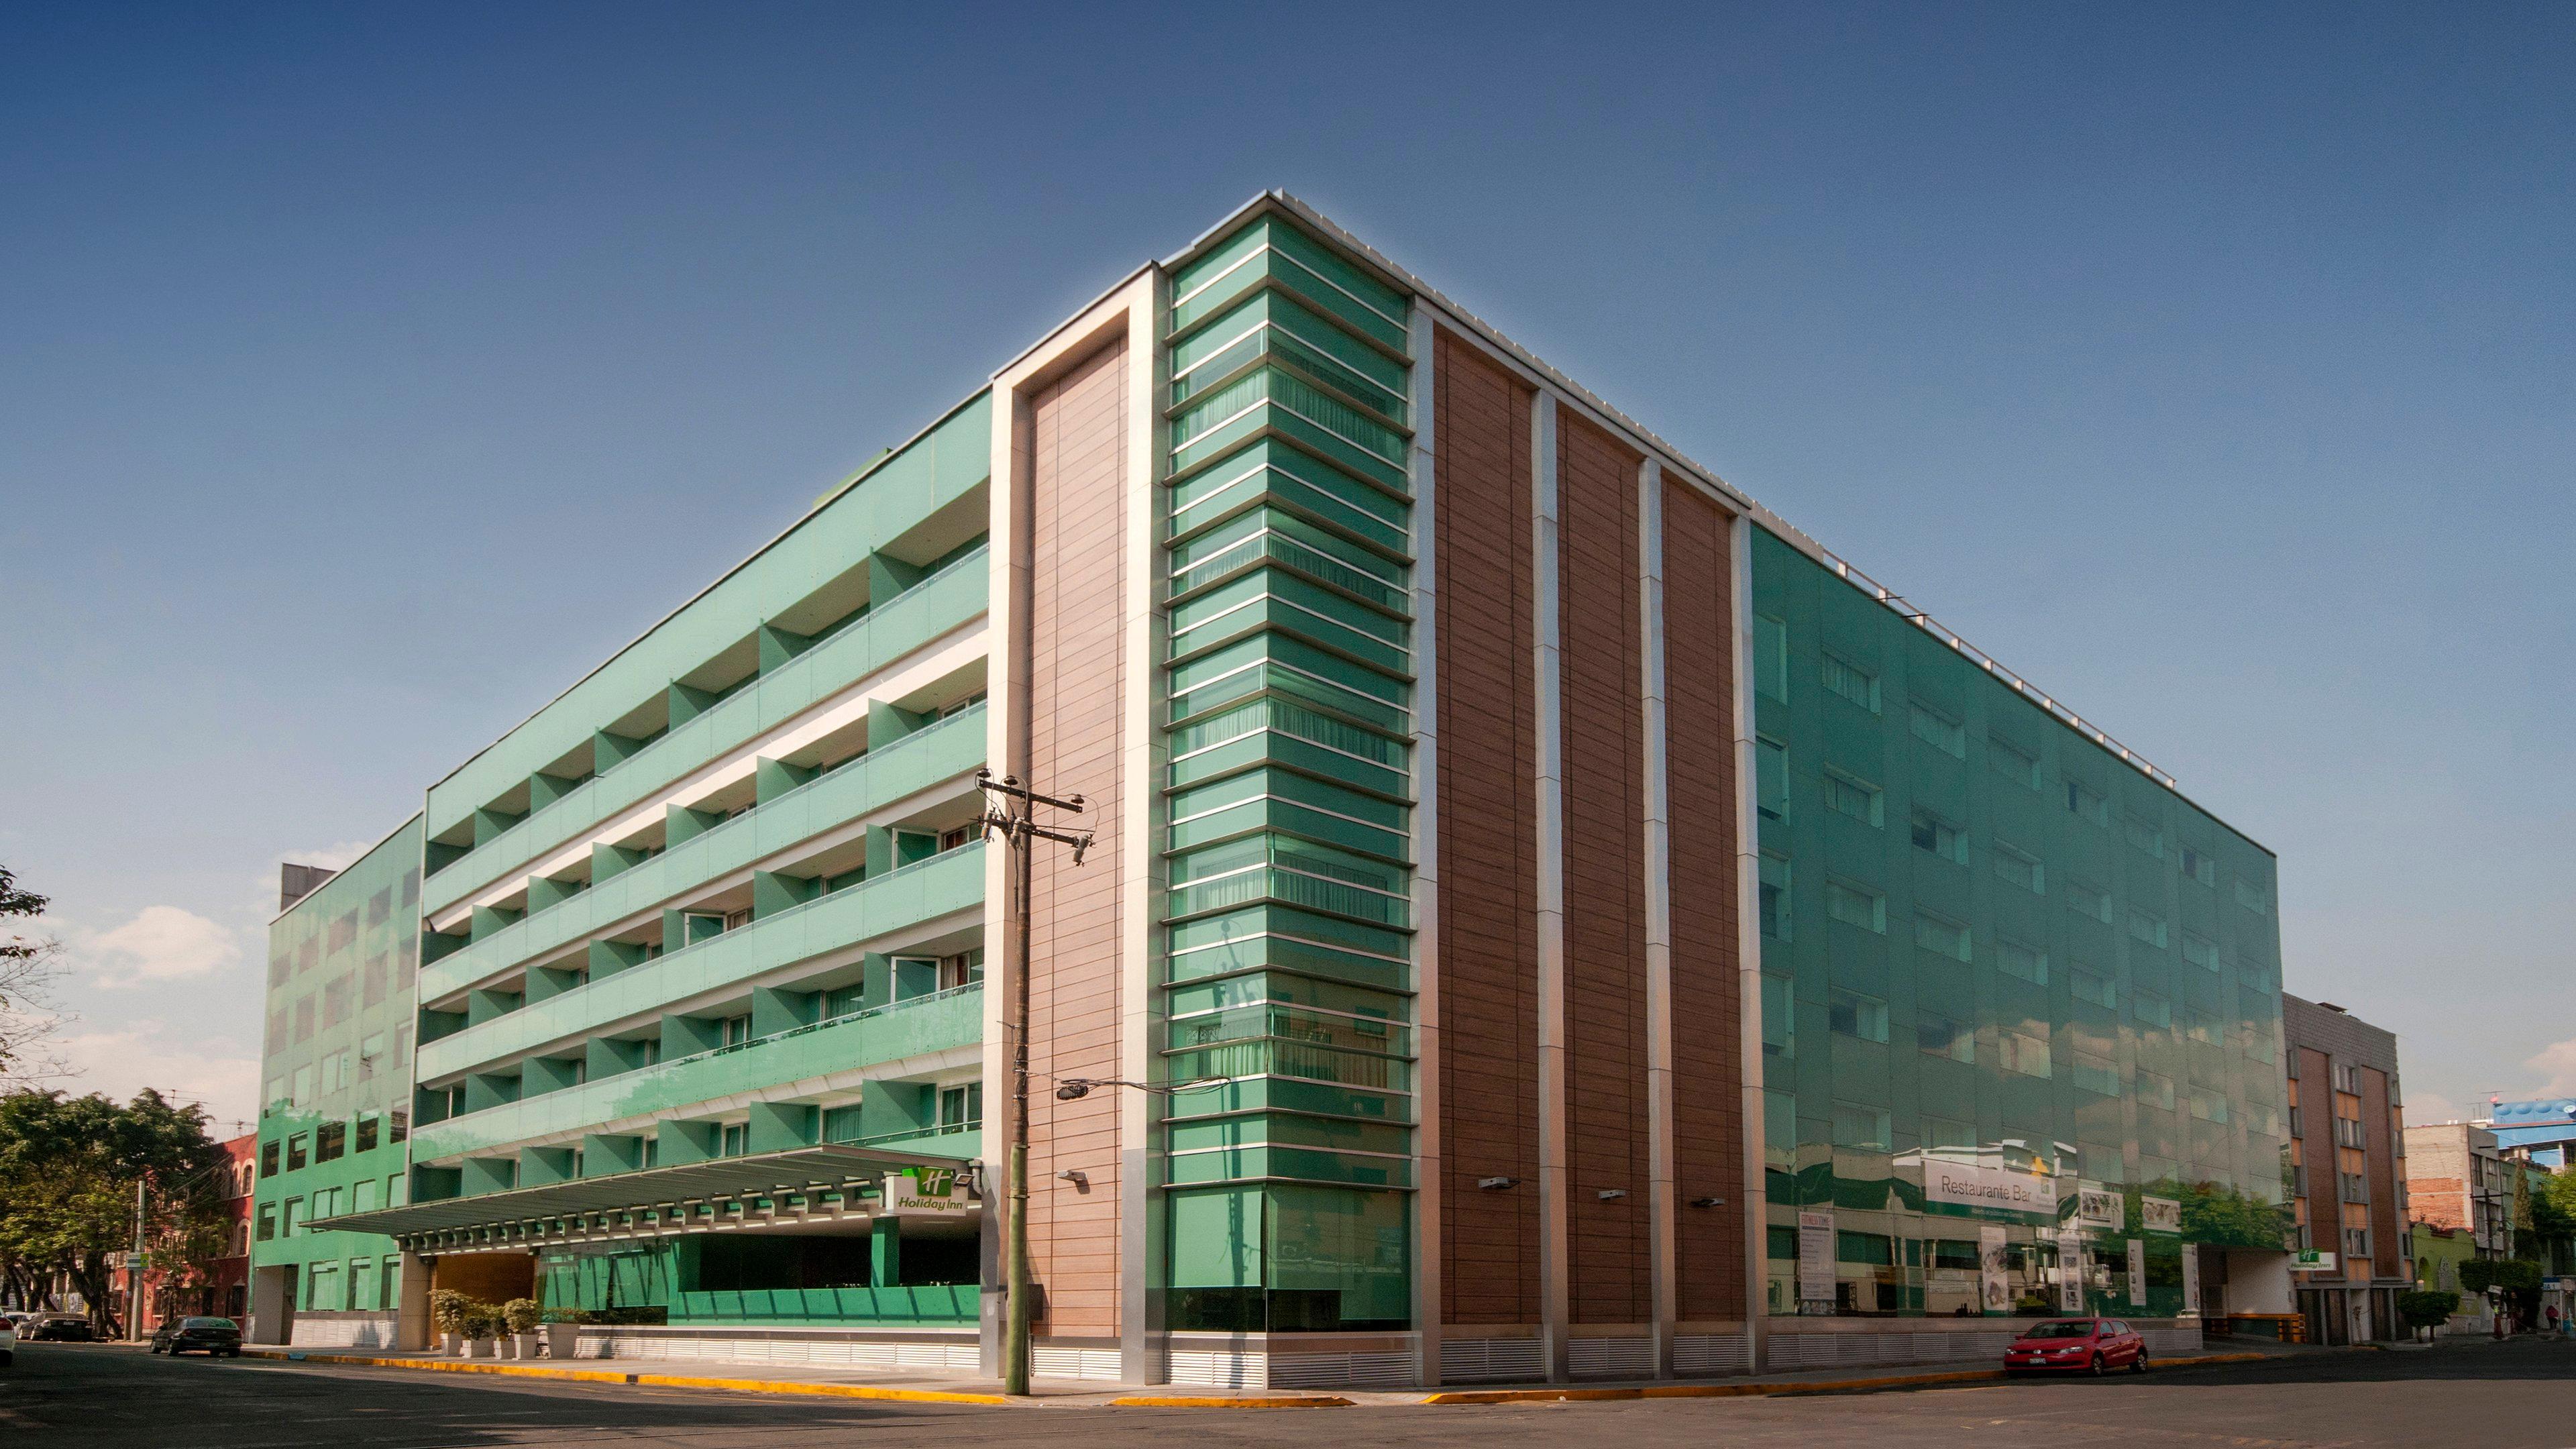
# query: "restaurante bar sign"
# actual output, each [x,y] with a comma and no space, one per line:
[1972,1184]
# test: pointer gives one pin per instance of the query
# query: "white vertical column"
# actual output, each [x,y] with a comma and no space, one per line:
[1555,1289]
[1428,1289]
[1006,751]
[1748,947]
[1143,751]
[1660,1203]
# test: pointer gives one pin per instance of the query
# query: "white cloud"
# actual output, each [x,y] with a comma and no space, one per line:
[161,943]
[2557,1065]
[329,857]
[149,1054]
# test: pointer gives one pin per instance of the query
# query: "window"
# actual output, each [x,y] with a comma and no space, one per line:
[1859,1126]
[362,1196]
[1851,1014]
[1851,682]
[1779,1017]
[1940,1036]
[2013,762]
[2021,868]
[1943,937]
[1855,906]
[696,926]
[2094,987]
[737,1030]
[1940,837]
[268,1158]
[295,1152]
[840,1001]
[2156,1091]
[2087,901]
[1938,730]
[2146,835]
[2209,1106]
[2150,1008]
[2347,1078]
[2088,802]
[961,1107]
[2146,927]
[951,839]
[267,1221]
[1943,1132]
[1771,779]
[368,1131]
[2200,1026]
[2022,1054]
[2027,962]
[291,1214]
[330,1141]
[2200,951]
[2253,897]
[1771,657]
[1775,897]
[2096,1075]
[1847,796]
[2199,867]
[2347,1132]
[963,969]
[735,1141]
[2356,1242]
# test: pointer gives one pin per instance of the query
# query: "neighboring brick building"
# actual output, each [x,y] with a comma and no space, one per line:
[2347,1144]
[220,1286]
[2456,1177]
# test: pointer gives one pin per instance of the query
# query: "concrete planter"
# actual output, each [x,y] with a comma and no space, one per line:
[451,1343]
[507,1345]
[563,1340]
[479,1348]
[527,1343]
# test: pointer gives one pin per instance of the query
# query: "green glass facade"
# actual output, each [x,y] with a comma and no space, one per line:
[336,1081]
[1999,963]
[1287,930]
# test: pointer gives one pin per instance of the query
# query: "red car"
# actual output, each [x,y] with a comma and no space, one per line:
[2083,1345]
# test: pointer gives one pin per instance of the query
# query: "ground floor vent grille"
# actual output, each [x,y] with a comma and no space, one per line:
[1468,1360]
[1707,1355]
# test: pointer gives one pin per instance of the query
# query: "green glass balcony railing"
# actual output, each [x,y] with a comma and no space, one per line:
[951,748]
[837,1051]
[947,883]
[934,607]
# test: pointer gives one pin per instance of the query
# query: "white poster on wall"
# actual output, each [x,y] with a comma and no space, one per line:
[2070,1271]
[1815,1257]
[2160,1214]
[2137,1273]
[2101,1207]
[1994,1269]
[1973,1184]
[2191,1280]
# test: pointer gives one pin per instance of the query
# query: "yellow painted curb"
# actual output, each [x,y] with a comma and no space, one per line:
[1775,1390]
[1218,1401]
[449,1366]
[833,1391]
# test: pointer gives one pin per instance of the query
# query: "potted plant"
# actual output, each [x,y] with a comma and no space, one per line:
[482,1326]
[447,1315]
[563,1332]
[520,1316]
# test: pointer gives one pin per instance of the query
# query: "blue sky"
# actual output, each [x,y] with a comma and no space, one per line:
[367,373]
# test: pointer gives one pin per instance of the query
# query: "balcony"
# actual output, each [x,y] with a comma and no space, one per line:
[945,884]
[834,1052]
[937,605]
[951,748]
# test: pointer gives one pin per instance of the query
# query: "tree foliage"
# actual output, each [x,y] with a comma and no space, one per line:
[2427,1307]
[31,967]
[69,1167]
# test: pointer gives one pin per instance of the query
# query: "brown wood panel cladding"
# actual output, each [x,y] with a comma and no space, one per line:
[1708,1066]
[1607,1249]
[1488,840]
[2387,1234]
[2315,1149]
[1078,458]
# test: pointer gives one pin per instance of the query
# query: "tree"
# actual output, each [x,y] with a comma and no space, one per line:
[2427,1308]
[69,1168]
[2553,1214]
[31,967]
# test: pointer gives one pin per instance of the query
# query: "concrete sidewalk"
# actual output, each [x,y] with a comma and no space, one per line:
[940,1389]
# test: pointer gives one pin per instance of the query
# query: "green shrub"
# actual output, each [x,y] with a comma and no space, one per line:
[482,1321]
[447,1310]
[2427,1307]
[522,1315]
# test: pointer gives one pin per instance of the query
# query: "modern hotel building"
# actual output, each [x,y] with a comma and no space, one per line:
[1546,917]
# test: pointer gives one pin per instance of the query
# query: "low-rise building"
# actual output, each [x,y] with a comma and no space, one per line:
[2348,1174]
[2456,1179]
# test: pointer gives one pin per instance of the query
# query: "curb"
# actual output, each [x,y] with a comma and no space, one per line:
[1775,1390]
[1219,1401]
[612,1376]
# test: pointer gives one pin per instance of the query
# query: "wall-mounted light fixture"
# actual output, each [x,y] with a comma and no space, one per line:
[1612,1194]
[1076,1177]
[1497,1184]
[1707,1202]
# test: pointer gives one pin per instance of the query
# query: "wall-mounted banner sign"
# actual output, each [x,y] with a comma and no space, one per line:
[927,1192]
[2311,1260]
[1973,1184]
[1994,1266]
[2100,1207]
[1815,1257]
[2070,1271]
[2191,1280]
[2137,1273]
[2160,1214]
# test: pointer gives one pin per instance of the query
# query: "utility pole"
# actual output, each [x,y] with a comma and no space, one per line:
[1011,808]
[134,1270]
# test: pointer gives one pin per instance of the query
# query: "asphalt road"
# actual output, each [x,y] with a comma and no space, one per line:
[2466,1397]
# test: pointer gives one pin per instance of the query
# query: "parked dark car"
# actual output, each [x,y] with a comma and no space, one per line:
[63,1328]
[2077,1345]
[217,1337]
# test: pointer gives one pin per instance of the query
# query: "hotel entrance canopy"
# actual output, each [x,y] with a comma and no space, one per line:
[772,1189]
